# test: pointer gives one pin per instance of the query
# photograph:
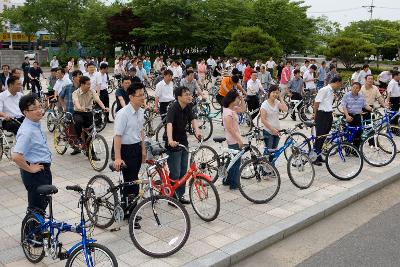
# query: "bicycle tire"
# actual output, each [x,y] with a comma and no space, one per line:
[245,123]
[199,186]
[98,201]
[302,142]
[148,222]
[247,156]
[215,103]
[387,148]
[94,248]
[160,132]
[298,161]
[202,122]
[350,151]
[305,114]
[284,114]
[59,133]
[50,122]
[26,230]
[91,149]
[1,148]
[207,166]
[114,109]
[266,170]
[395,133]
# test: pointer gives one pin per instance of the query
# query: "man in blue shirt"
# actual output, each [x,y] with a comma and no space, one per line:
[321,73]
[32,153]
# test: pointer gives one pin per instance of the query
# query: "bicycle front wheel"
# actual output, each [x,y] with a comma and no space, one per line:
[245,123]
[32,239]
[60,139]
[206,126]
[101,201]
[344,161]
[207,161]
[165,226]
[378,150]
[114,109]
[204,198]
[98,255]
[98,153]
[51,122]
[300,170]
[262,181]
[299,141]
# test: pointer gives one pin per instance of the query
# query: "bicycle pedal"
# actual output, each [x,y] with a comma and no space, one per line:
[63,255]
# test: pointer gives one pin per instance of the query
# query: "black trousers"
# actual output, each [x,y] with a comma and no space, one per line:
[219,99]
[82,120]
[323,124]
[35,87]
[26,82]
[12,126]
[356,122]
[132,156]
[163,109]
[395,102]
[253,103]
[105,99]
[32,181]
[296,96]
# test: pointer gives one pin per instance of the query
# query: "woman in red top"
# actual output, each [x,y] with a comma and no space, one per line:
[247,74]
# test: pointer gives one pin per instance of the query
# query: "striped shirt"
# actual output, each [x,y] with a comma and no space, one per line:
[354,104]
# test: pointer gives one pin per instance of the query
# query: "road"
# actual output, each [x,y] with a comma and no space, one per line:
[365,233]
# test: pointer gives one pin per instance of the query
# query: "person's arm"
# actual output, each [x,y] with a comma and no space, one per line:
[264,120]
[21,162]
[98,84]
[98,101]
[242,107]
[380,99]
[117,151]
[144,153]
[228,124]
[121,101]
[241,89]
[171,141]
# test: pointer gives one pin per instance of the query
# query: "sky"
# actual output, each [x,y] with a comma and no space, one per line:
[346,11]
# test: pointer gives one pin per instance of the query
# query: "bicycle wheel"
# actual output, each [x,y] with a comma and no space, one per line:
[165,226]
[264,183]
[247,156]
[161,135]
[204,198]
[306,112]
[378,150]
[395,134]
[101,201]
[301,141]
[98,255]
[344,161]
[283,114]
[114,109]
[206,126]
[60,139]
[100,121]
[245,123]
[214,103]
[98,153]
[51,121]
[207,161]
[1,148]
[300,170]
[32,239]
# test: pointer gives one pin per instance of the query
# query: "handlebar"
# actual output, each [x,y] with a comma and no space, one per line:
[191,151]
[75,188]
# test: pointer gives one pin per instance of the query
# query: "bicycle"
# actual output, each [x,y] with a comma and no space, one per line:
[53,116]
[94,146]
[39,237]
[7,141]
[201,187]
[161,217]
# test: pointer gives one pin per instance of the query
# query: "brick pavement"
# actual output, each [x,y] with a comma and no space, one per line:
[237,219]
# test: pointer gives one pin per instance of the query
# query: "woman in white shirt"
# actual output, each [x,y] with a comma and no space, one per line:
[269,115]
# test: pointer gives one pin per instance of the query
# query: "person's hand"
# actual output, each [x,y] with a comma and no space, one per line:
[7,118]
[106,110]
[290,94]
[144,156]
[313,116]
[118,163]
[34,168]
[274,131]
[173,143]
[240,143]
[198,135]
[349,118]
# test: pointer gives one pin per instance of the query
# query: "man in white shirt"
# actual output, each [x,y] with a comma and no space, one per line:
[95,79]
[54,63]
[354,76]
[176,70]
[82,63]
[254,88]
[384,78]
[363,74]
[393,91]
[103,88]
[304,68]
[211,62]
[271,65]
[323,114]
[308,78]
[164,93]
[62,80]
[9,105]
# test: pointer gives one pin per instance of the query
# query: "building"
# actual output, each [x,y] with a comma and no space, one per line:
[4,4]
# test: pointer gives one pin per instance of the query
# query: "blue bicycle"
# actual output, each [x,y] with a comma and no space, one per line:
[39,237]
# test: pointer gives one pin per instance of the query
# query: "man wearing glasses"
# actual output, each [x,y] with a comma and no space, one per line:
[32,153]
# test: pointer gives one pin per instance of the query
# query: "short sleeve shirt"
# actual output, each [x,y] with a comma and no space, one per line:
[9,104]
[227,81]
[325,98]
[179,118]
[393,88]
[370,94]
[165,92]
[272,114]
[353,104]
[228,114]
[124,94]
[129,125]
[85,99]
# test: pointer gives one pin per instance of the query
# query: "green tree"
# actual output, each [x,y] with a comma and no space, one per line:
[252,43]
[324,31]
[350,50]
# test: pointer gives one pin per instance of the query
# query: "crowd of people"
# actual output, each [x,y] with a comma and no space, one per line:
[240,85]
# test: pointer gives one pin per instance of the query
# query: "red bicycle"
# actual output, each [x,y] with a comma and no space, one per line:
[203,194]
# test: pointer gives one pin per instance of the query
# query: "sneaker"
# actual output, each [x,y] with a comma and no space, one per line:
[184,201]
[317,163]
[293,117]
[75,152]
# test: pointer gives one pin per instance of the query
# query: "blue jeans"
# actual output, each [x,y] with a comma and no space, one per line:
[270,142]
[178,166]
[233,174]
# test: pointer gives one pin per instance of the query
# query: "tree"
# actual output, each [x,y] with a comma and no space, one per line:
[18,16]
[252,43]
[350,51]
[324,31]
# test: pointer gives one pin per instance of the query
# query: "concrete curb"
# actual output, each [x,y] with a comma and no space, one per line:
[249,245]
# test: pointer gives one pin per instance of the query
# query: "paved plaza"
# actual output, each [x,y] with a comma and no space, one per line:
[238,217]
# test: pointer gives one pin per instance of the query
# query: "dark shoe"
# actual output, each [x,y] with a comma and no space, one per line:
[293,117]
[95,158]
[234,188]
[184,201]
[317,163]
[108,121]
[75,152]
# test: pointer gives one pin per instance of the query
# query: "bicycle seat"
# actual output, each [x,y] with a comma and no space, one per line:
[309,124]
[219,139]
[46,190]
